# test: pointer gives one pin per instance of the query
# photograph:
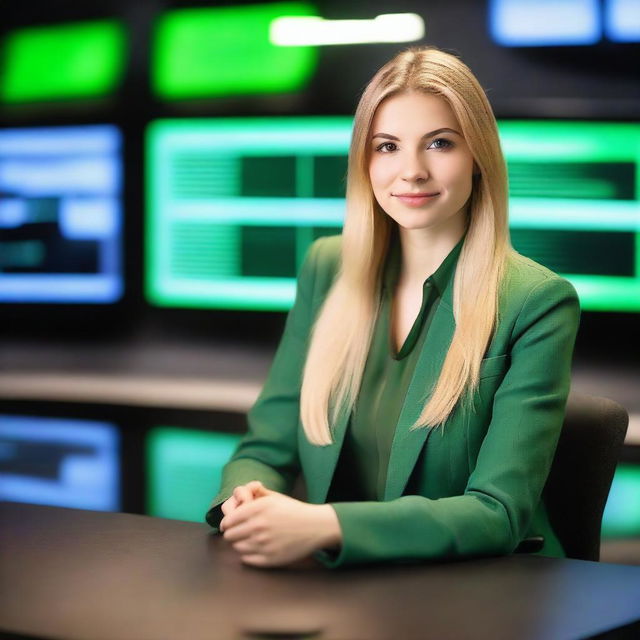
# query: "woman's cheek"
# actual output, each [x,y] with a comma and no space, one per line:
[381,171]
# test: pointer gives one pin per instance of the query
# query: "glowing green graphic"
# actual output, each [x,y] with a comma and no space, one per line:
[65,61]
[206,52]
[233,204]
[184,470]
[622,513]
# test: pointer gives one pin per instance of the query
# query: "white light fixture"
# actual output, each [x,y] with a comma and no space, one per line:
[312,30]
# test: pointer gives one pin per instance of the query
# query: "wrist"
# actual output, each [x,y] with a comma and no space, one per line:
[329,531]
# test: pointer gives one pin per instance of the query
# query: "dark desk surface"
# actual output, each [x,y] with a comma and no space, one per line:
[67,573]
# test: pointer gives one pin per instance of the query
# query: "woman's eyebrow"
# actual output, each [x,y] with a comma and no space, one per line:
[388,136]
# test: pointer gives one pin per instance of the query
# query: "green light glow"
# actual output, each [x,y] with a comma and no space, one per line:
[550,141]
[184,469]
[208,52]
[233,204]
[608,292]
[622,512]
[66,61]
[613,215]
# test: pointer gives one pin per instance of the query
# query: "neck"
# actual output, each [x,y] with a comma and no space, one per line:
[424,250]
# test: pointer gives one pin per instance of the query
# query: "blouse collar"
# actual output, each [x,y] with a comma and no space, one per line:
[440,278]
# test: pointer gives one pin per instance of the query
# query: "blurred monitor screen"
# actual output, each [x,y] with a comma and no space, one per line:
[184,470]
[233,205]
[60,215]
[622,20]
[59,462]
[574,204]
[187,62]
[621,517]
[66,61]
[535,23]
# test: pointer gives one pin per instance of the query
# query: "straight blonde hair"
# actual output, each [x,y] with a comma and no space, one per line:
[338,350]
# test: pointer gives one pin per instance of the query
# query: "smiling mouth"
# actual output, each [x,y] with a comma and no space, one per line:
[414,195]
[416,200]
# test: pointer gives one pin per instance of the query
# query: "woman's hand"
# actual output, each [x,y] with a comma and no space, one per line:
[242,494]
[274,529]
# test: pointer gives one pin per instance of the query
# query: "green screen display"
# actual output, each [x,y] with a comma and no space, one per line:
[184,470]
[66,61]
[574,192]
[621,516]
[209,52]
[233,204]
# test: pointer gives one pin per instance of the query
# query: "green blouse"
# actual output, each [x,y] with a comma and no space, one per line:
[361,471]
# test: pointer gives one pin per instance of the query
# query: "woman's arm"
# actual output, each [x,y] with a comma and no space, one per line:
[268,451]
[504,489]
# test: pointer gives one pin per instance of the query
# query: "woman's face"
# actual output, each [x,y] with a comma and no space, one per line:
[417,148]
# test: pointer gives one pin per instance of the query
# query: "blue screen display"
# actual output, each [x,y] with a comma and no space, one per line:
[60,215]
[60,462]
[534,23]
[622,20]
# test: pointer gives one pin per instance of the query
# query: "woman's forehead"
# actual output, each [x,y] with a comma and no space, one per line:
[412,111]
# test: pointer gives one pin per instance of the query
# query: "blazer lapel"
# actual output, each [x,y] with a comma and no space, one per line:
[321,464]
[407,444]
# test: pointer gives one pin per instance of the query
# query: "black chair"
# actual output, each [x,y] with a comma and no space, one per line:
[581,474]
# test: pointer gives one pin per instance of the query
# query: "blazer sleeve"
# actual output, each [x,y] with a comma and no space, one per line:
[504,488]
[269,451]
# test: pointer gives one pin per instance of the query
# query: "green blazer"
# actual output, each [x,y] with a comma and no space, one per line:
[471,489]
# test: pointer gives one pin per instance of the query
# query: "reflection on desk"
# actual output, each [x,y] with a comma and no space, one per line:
[70,573]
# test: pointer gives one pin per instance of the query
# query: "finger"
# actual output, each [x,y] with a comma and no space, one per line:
[254,559]
[246,546]
[261,492]
[257,488]
[241,514]
[229,505]
[239,532]
[242,494]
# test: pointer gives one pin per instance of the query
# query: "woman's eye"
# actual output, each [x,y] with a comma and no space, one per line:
[384,147]
[446,143]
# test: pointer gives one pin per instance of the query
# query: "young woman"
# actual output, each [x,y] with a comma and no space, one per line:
[419,318]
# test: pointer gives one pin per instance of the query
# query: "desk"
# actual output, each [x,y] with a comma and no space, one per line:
[67,573]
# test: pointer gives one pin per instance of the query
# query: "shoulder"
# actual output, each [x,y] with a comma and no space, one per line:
[328,250]
[325,253]
[530,288]
[523,276]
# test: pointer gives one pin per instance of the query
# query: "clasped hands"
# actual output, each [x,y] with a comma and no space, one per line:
[271,529]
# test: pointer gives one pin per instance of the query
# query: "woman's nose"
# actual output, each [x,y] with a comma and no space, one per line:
[414,170]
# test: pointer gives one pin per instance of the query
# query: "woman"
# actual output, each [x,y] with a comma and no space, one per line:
[419,317]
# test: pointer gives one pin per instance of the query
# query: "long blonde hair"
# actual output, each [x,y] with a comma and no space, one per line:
[338,350]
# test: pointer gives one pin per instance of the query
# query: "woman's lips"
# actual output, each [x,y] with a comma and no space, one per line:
[418,200]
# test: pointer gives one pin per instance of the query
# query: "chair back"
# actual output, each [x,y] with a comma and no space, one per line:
[578,485]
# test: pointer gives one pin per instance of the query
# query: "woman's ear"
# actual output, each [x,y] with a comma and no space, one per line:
[476,169]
